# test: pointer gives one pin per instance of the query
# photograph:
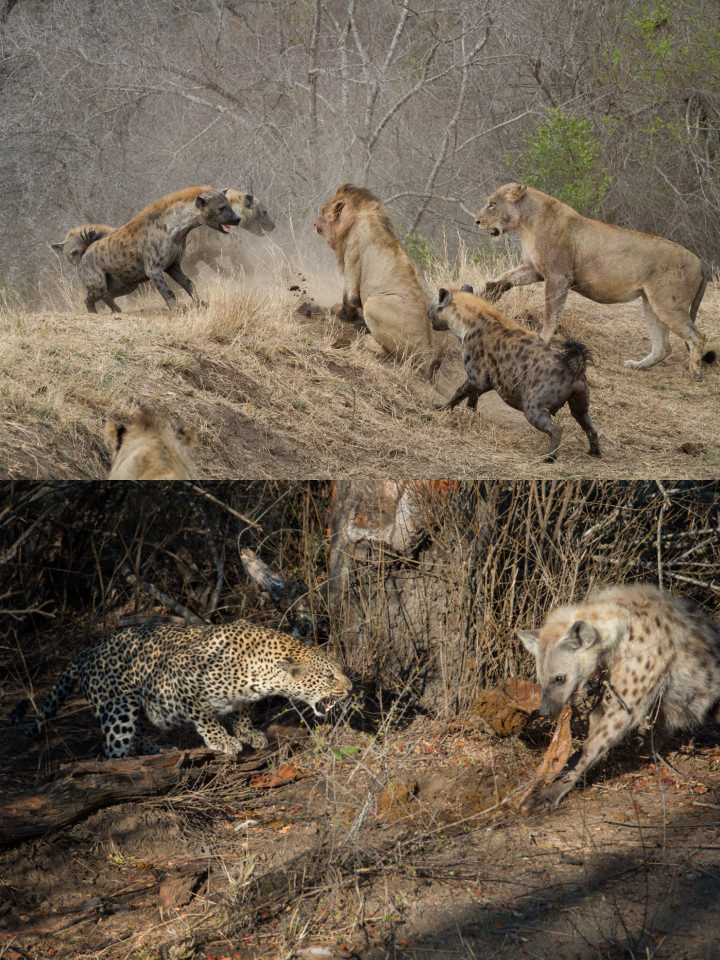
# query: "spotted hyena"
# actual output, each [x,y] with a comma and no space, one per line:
[152,244]
[205,246]
[73,247]
[499,354]
[650,654]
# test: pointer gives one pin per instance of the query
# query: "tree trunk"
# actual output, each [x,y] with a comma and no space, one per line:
[406,601]
[90,785]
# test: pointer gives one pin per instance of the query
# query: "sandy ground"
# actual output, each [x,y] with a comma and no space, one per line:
[375,843]
[275,393]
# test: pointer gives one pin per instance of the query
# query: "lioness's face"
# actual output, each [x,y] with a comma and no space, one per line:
[254,217]
[500,212]
[73,249]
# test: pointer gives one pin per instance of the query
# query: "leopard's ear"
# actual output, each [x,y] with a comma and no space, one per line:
[295,668]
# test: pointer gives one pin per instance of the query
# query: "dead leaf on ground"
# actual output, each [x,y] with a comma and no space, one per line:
[284,774]
[177,889]
[556,755]
[507,709]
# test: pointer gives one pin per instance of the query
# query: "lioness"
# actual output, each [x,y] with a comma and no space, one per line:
[146,448]
[152,244]
[604,263]
[382,285]
[78,239]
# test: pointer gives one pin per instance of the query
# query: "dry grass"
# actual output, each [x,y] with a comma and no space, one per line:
[277,394]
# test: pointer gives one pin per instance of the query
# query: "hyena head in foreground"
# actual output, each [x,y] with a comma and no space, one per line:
[654,657]
[564,664]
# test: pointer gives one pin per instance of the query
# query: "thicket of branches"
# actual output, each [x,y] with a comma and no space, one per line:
[613,106]
[437,622]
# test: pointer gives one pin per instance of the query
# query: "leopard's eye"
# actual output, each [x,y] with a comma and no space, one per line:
[560,679]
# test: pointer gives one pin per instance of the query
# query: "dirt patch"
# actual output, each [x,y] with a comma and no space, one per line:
[402,842]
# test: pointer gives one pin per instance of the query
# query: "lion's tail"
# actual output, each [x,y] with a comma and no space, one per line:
[575,356]
[710,356]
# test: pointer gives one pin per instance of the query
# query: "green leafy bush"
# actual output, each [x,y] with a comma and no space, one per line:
[562,158]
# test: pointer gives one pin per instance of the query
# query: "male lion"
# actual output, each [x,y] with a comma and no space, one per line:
[382,285]
[604,263]
[148,449]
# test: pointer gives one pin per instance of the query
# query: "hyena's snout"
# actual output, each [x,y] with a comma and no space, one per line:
[551,704]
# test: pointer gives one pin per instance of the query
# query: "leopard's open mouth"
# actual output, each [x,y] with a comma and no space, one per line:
[324,706]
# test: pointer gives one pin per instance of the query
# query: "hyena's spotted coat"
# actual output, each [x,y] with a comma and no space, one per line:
[657,656]
[529,375]
[152,244]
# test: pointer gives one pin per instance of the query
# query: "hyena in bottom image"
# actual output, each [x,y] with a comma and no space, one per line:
[659,655]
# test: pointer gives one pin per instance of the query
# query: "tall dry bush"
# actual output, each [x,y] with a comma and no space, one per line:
[492,556]
[434,621]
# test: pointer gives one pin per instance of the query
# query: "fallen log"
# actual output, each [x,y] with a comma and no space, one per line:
[81,788]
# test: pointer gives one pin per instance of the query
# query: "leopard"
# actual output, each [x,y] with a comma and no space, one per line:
[171,673]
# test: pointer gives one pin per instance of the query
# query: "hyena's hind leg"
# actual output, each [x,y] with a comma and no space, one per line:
[578,402]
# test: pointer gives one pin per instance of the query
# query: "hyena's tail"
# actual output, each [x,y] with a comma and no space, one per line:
[89,237]
[575,356]
[63,689]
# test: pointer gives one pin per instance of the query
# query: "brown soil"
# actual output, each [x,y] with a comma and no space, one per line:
[278,393]
[404,842]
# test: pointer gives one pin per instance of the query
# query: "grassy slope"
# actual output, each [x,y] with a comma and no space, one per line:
[276,394]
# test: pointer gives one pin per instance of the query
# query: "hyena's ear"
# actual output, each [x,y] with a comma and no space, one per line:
[529,640]
[443,298]
[466,288]
[581,634]
[58,248]
[202,199]
[248,200]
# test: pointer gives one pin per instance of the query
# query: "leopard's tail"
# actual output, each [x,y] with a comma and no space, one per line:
[63,688]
